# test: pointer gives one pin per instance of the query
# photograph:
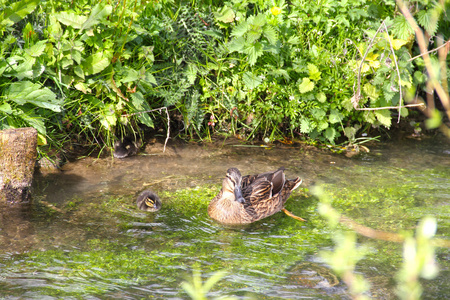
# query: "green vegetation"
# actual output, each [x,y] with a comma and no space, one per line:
[89,72]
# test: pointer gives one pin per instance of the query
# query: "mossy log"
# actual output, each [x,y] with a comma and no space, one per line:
[17,160]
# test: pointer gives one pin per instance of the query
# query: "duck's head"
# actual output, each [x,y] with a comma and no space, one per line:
[148,201]
[232,184]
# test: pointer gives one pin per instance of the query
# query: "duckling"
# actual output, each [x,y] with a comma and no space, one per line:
[247,199]
[148,201]
[125,148]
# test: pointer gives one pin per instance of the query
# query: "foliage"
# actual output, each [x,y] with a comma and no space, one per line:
[90,71]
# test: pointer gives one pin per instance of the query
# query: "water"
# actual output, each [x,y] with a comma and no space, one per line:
[83,237]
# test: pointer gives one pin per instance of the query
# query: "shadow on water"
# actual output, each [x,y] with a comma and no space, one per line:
[84,238]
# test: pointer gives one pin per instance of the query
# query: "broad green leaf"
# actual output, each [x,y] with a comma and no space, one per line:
[318,113]
[306,86]
[225,15]
[6,108]
[96,63]
[34,121]
[350,132]
[401,28]
[321,97]
[70,19]
[37,49]
[108,116]
[98,13]
[305,126]
[270,33]
[27,92]
[16,12]
[139,103]
[237,45]
[251,80]
[240,29]
[254,51]
[384,117]
[252,36]
[428,19]
[313,72]
[259,20]
[335,116]
[323,124]
[371,91]
[330,134]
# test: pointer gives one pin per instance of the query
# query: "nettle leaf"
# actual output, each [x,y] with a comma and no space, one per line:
[252,36]
[237,45]
[335,116]
[428,20]
[270,34]
[350,132]
[313,72]
[330,134]
[306,126]
[259,20]
[240,29]
[371,91]
[318,113]
[225,15]
[401,28]
[306,86]
[323,124]
[251,80]
[70,19]
[17,11]
[384,117]
[27,92]
[254,51]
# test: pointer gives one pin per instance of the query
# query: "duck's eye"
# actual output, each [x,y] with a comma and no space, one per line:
[231,178]
[149,202]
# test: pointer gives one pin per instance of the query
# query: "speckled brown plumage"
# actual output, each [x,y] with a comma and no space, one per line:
[263,195]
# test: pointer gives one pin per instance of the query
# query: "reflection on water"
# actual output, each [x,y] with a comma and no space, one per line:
[84,238]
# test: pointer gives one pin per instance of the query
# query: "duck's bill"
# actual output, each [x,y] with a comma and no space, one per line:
[150,202]
[238,195]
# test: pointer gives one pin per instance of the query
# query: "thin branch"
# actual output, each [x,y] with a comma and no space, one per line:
[392,107]
[152,110]
[431,51]
[398,72]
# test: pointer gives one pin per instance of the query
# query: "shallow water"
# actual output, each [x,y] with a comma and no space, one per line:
[83,237]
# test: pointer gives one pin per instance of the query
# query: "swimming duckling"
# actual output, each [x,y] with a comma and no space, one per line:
[247,199]
[148,201]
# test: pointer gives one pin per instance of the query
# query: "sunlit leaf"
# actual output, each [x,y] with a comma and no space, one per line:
[251,80]
[27,92]
[435,120]
[70,19]
[306,86]
[16,11]
[384,117]
[225,15]
[98,13]
[96,63]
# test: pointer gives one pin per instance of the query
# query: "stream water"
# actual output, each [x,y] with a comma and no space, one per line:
[84,238]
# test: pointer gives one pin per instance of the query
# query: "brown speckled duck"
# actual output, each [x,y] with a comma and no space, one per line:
[247,199]
[148,201]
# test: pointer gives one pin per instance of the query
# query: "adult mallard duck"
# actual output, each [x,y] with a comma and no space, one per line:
[247,199]
[148,201]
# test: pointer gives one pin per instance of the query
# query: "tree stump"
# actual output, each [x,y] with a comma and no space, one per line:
[17,160]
